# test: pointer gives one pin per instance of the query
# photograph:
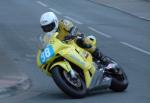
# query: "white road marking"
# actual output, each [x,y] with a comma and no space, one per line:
[101,33]
[136,48]
[76,21]
[29,60]
[42,4]
[56,11]
[30,55]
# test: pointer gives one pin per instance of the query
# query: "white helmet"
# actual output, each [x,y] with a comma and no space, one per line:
[49,22]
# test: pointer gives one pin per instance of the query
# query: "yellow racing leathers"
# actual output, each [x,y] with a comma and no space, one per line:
[64,29]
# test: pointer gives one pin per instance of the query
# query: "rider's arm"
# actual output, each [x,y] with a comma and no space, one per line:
[69,27]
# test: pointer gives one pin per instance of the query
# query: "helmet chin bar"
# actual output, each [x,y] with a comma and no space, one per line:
[50,33]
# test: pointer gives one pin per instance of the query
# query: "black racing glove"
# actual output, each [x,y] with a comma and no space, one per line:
[72,33]
[68,37]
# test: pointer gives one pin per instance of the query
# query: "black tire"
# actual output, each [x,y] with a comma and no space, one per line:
[65,86]
[120,83]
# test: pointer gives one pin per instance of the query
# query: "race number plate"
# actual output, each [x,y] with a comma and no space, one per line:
[47,53]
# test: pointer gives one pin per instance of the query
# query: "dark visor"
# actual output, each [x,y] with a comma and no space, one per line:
[49,27]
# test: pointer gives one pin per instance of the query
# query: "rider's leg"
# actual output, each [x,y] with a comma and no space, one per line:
[98,55]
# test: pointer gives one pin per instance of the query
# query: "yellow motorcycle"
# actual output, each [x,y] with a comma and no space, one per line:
[74,70]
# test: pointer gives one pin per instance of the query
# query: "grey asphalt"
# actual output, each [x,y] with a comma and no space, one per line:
[19,31]
[137,8]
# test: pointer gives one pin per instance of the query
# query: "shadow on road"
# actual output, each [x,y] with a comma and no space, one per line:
[61,96]
[101,92]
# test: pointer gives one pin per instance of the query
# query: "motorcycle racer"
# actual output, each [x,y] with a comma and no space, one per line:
[66,29]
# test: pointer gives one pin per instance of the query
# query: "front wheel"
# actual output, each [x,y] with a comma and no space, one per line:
[119,80]
[75,88]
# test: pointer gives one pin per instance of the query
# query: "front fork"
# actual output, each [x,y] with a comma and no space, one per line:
[100,80]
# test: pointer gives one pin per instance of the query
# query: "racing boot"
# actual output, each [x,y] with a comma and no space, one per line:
[98,56]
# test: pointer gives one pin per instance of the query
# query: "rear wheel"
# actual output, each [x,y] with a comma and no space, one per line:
[74,87]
